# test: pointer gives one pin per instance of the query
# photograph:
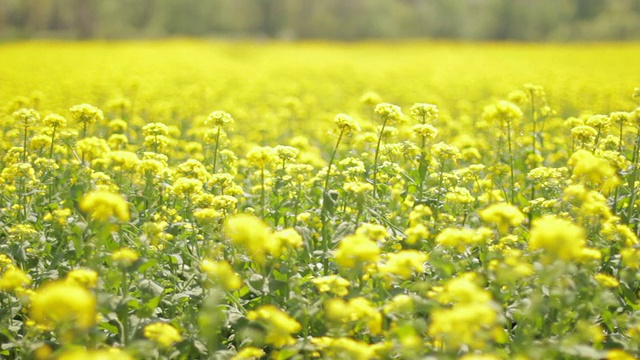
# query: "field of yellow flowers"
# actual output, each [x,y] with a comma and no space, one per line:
[199,199]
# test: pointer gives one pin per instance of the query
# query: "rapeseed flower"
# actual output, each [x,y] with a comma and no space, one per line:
[221,273]
[606,280]
[63,304]
[102,354]
[344,347]
[124,257]
[503,113]
[163,334]
[390,114]
[593,171]
[425,113]
[404,263]
[249,353]
[251,233]
[86,115]
[502,215]
[278,324]
[400,304]
[355,250]
[83,277]
[332,283]
[459,238]
[103,205]
[557,237]
[219,118]
[354,311]
[14,279]
[27,118]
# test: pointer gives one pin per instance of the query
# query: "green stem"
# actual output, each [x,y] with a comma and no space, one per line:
[375,160]
[324,216]
[533,142]
[617,193]
[125,308]
[440,190]
[215,151]
[84,135]
[262,193]
[512,175]
[24,149]
[422,169]
[632,180]
[360,208]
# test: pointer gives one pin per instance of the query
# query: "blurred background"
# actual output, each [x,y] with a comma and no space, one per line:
[488,20]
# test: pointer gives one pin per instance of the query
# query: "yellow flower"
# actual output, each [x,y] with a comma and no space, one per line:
[261,156]
[356,249]
[55,121]
[619,354]
[192,169]
[285,239]
[207,215]
[162,333]
[354,311]
[606,280]
[58,216]
[251,233]
[503,113]
[60,303]
[630,257]
[404,263]
[249,353]
[22,231]
[593,170]
[83,277]
[402,303]
[86,114]
[559,238]
[279,325]
[373,231]
[14,279]
[346,123]
[415,233]
[332,283]
[5,261]
[118,126]
[102,354]
[426,113]
[459,238]
[155,129]
[389,113]
[185,187]
[344,348]
[464,290]
[445,151]
[219,118]
[124,257]
[480,357]
[27,117]
[221,273]
[463,324]
[425,131]
[357,187]
[418,214]
[101,205]
[502,215]
[286,153]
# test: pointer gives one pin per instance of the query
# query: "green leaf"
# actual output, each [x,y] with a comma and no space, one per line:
[147,265]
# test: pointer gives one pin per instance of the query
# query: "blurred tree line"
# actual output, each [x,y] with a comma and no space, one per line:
[523,20]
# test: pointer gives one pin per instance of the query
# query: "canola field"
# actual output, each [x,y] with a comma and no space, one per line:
[200,199]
